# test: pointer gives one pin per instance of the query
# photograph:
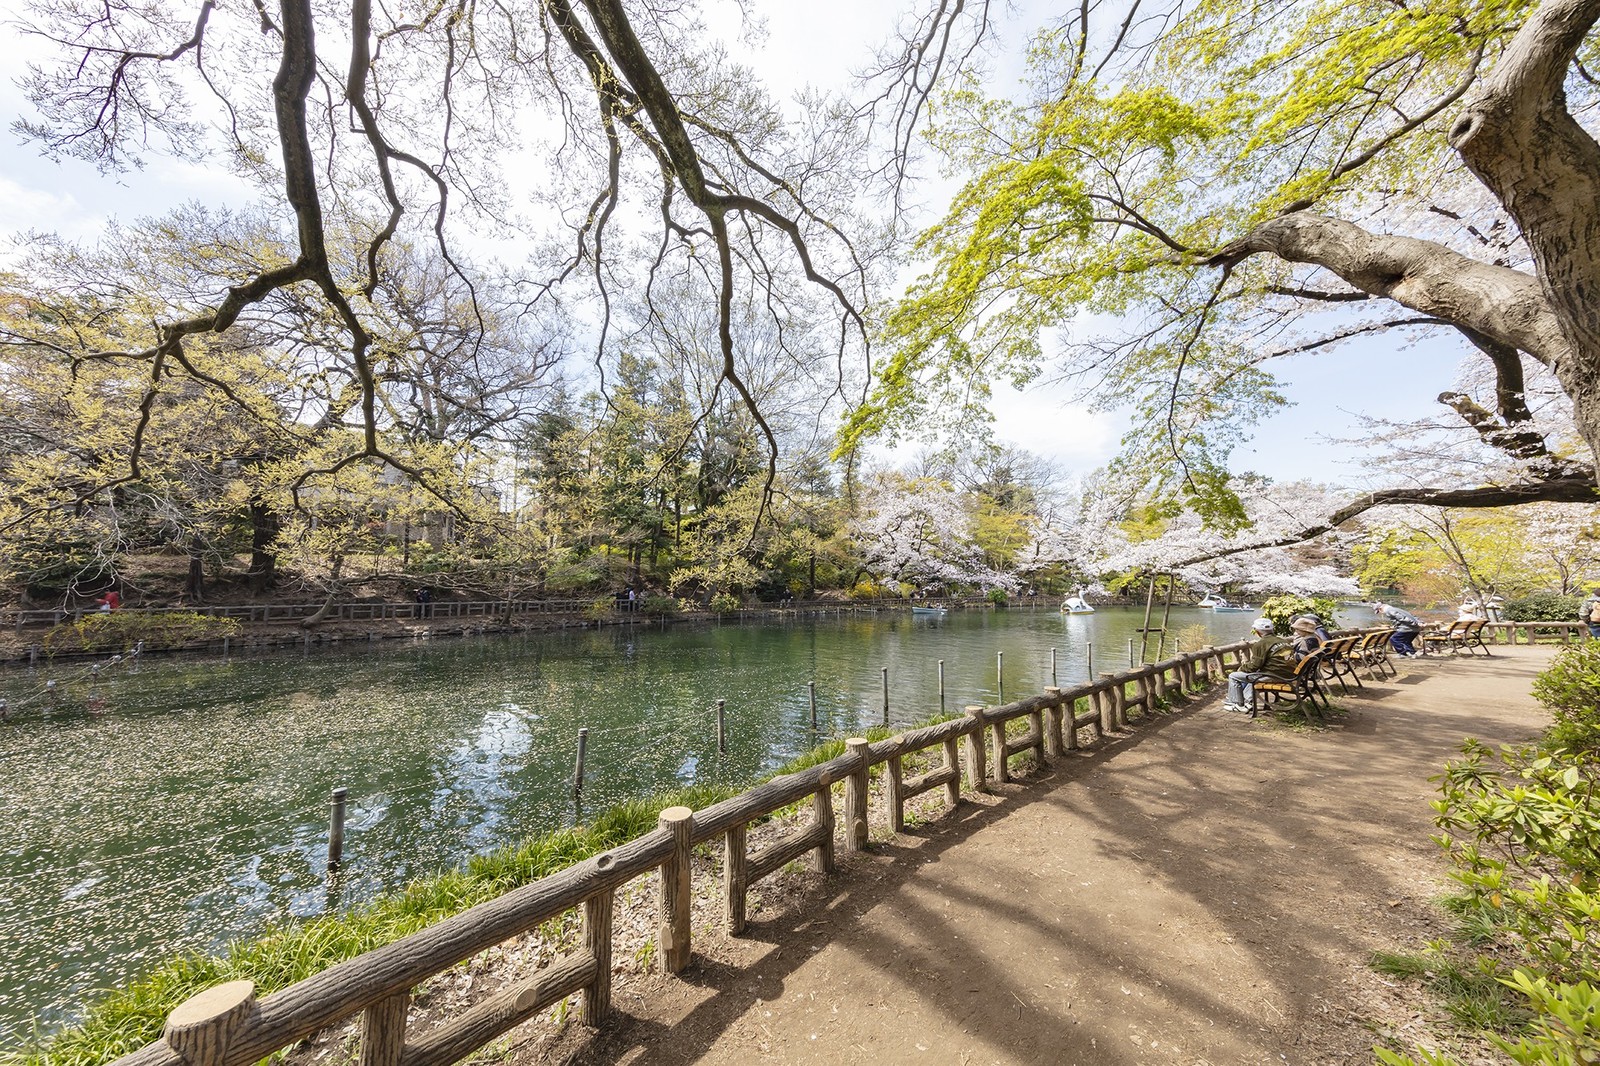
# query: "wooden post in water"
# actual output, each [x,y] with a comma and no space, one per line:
[1000,677]
[941,682]
[336,831]
[811,691]
[1088,657]
[1130,653]
[722,727]
[577,769]
[885,695]
[1053,680]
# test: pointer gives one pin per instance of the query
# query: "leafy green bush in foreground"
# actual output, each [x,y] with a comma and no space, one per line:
[1521,828]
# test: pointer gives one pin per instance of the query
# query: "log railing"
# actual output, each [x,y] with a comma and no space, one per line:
[227,1026]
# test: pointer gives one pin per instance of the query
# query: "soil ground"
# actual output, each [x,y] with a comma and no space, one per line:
[1205,889]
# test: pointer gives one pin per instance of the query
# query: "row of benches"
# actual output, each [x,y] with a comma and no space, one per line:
[1340,657]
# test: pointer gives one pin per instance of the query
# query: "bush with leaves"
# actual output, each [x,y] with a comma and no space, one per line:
[1543,607]
[1570,687]
[659,606]
[105,632]
[1284,609]
[723,603]
[1521,828]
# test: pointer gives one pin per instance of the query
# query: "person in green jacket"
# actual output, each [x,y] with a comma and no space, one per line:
[1269,656]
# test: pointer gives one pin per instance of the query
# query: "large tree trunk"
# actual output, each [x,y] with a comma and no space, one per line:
[1516,135]
[263,531]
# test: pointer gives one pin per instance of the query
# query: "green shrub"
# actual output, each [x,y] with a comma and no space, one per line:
[659,606]
[997,597]
[1570,687]
[1521,828]
[598,610]
[1284,609]
[106,632]
[1543,607]
[724,602]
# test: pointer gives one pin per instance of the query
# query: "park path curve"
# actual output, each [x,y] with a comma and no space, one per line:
[1206,889]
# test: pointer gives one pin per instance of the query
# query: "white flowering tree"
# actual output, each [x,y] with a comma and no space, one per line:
[918,532]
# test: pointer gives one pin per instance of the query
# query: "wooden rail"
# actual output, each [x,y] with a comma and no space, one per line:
[227,1026]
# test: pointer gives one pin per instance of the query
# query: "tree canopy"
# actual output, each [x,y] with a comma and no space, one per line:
[1189,192]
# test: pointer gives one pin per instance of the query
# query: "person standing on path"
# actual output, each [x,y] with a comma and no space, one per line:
[1406,627]
[1270,656]
[1589,613]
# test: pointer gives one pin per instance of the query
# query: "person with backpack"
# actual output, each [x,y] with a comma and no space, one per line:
[1589,613]
[1270,656]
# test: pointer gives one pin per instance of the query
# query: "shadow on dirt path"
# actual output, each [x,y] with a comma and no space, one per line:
[1203,889]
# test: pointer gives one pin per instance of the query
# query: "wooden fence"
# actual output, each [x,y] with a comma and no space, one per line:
[227,1026]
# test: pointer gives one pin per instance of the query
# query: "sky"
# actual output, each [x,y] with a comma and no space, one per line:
[817,43]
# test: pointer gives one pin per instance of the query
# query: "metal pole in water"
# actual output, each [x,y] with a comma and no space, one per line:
[1052,666]
[1088,653]
[811,691]
[577,770]
[1130,653]
[1000,676]
[722,726]
[885,695]
[336,831]
[941,681]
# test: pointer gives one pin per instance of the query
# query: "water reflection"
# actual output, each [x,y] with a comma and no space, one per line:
[195,808]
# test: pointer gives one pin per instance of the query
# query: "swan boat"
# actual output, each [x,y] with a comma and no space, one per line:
[1076,605]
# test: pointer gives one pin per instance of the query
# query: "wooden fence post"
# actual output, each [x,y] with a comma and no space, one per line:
[200,1028]
[1108,704]
[822,810]
[597,942]
[1147,697]
[676,891]
[1053,742]
[383,1031]
[1002,763]
[734,881]
[894,778]
[855,797]
[952,787]
[977,773]
[1070,724]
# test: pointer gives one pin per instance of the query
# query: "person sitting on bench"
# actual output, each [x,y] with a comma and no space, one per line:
[1270,656]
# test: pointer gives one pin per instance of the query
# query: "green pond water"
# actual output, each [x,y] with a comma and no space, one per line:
[167,805]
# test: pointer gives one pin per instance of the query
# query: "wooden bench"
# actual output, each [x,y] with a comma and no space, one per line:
[1462,635]
[1304,688]
[1339,662]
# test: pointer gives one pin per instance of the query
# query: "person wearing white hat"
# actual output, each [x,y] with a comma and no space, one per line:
[1270,656]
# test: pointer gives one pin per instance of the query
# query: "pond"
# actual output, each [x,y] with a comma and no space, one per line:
[171,805]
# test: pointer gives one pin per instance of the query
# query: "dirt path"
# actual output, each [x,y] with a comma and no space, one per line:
[1205,890]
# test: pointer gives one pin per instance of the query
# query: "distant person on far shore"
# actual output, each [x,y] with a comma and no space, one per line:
[111,601]
[1406,627]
